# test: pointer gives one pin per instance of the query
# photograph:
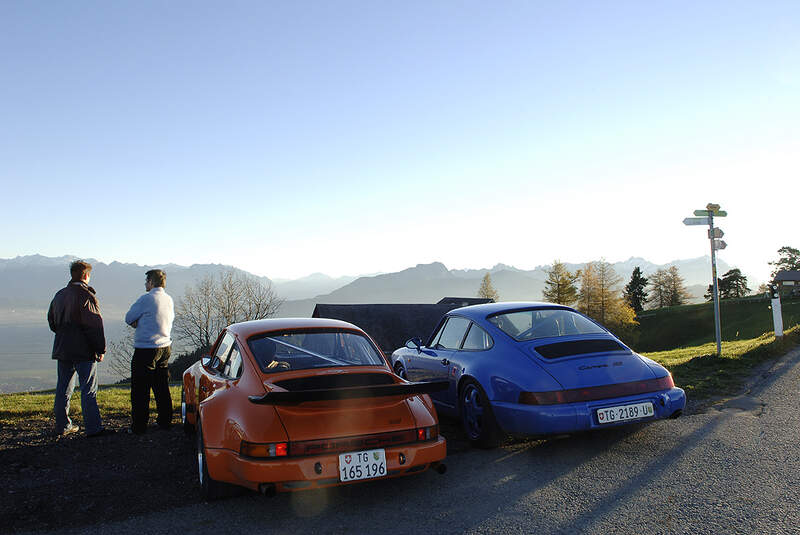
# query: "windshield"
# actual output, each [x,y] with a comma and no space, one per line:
[525,325]
[305,349]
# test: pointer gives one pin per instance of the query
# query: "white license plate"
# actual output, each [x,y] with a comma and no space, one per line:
[362,465]
[621,413]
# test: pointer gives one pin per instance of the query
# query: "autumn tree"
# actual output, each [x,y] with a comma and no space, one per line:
[487,291]
[667,288]
[635,293]
[599,296]
[560,285]
[214,302]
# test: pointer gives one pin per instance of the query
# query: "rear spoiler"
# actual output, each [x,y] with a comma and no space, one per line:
[328,394]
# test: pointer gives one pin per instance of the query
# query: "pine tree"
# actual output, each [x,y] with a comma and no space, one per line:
[736,283]
[732,284]
[635,294]
[560,285]
[486,290]
[789,260]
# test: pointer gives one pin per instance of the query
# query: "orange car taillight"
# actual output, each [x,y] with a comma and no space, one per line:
[252,449]
[428,433]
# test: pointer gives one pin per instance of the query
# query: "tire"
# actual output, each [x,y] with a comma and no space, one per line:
[400,370]
[187,427]
[476,416]
[209,488]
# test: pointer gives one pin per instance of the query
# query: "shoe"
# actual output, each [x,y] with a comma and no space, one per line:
[71,428]
[102,433]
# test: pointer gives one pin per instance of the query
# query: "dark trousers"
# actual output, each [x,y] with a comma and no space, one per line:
[149,371]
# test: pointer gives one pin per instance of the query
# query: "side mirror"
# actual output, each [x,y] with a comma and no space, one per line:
[205,361]
[414,343]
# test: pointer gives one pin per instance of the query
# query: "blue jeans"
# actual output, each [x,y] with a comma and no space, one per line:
[87,378]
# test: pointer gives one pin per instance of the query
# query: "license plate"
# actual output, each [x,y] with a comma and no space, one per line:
[362,465]
[621,413]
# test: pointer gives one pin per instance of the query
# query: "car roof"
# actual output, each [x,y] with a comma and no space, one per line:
[248,328]
[482,311]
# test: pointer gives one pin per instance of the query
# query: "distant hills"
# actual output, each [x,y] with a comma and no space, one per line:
[427,283]
[29,282]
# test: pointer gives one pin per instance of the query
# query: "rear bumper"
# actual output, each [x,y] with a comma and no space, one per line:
[299,473]
[521,419]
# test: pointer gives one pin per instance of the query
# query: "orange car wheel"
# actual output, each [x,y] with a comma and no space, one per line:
[210,488]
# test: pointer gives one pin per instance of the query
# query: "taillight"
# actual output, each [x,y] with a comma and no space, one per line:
[252,449]
[596,392]
[428,433]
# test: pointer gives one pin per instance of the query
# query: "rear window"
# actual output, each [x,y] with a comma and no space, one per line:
[578,347]
[531,324]
[318,348]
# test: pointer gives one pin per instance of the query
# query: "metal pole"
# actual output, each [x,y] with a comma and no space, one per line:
[714,277]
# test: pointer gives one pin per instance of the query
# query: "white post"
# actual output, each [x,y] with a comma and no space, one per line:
[777,318]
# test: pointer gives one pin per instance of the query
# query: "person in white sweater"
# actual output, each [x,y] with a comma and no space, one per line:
[152,316]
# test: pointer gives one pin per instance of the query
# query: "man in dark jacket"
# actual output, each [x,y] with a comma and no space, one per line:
[79,345]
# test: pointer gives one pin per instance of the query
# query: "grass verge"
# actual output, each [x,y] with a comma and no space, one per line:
[114,402]
[702,374]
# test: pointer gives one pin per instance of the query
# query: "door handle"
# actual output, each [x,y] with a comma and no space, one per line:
[445,362]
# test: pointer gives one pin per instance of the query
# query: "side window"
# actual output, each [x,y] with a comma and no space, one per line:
[221,354]
[438,335]
[477,339]
[453,333]
[233,366]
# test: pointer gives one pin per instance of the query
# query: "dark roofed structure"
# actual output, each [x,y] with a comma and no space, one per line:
[390,325]
[787,275]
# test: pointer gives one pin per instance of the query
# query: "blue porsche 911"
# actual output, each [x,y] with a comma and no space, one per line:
[536,369]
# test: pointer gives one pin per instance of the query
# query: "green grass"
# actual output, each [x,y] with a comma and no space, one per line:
[693,325]
[114,402]
[702,374]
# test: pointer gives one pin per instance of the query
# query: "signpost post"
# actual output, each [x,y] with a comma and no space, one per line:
[714,234]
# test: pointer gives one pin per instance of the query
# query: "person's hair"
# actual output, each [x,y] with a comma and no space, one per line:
[157,277]
[78,269]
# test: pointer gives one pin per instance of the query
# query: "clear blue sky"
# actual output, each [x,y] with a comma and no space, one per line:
[354,137]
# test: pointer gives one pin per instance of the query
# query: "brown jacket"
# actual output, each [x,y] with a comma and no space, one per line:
[74,316]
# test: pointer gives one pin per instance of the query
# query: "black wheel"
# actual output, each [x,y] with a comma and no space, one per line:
[210,489]
[400,370]
[187,427]
[477,417]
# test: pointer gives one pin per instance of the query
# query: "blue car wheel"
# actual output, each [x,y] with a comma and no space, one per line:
[477,417]
[400,371]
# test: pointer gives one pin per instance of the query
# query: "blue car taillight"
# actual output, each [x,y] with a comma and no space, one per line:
[596,392]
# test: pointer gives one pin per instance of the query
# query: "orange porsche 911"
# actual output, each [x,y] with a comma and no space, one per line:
[291,404]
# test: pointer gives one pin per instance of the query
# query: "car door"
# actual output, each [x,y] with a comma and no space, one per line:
[436,362]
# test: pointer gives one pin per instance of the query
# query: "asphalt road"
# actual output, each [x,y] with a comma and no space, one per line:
[734,468]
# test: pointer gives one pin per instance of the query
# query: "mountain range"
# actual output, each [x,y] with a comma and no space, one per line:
[29,283]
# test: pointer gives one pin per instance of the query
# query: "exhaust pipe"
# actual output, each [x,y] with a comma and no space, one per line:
[675,414]
[440,468]
[267,489]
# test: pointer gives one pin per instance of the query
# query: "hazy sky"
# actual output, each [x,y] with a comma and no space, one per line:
[352,137]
